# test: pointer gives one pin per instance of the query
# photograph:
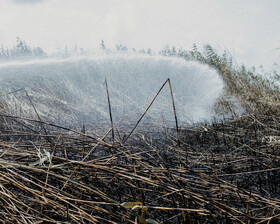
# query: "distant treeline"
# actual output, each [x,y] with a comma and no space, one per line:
[21,50]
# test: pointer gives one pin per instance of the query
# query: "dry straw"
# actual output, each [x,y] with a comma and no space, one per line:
[224,172]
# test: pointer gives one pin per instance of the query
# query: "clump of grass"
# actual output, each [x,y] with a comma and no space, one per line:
[256,93]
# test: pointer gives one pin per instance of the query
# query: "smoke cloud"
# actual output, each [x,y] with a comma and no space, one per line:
[72,90]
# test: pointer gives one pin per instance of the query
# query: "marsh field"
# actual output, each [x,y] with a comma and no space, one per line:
[224,169]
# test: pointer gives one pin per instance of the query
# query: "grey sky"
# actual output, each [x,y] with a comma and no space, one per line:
[248,29]
[26,1]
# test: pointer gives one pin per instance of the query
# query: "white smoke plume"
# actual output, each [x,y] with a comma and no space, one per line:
[72,90]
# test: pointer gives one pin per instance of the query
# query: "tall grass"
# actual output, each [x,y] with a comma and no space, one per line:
[257,93]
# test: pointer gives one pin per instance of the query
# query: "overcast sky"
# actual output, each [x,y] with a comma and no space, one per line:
[249,29]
